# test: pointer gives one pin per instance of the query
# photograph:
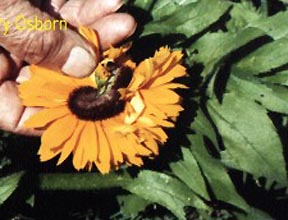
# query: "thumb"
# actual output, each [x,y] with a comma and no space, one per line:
[57,49]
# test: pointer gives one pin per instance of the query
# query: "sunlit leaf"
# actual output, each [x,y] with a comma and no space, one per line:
[186,19]
[166,191]
[213,48]
[189,172]
[131,205]
[264,59]
[280,78]
[249,137]
[8,185]
[216,174]
[272,97]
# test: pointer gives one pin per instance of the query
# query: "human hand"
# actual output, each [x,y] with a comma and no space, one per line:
[64,50]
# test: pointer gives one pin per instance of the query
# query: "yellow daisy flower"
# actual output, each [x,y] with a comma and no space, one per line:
[114,116]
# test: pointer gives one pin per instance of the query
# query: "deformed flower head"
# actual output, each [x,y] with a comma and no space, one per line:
[114,116]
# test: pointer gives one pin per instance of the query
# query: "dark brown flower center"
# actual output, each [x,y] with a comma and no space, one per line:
[89,103]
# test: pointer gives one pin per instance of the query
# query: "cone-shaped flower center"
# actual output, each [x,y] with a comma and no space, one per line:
[91,104]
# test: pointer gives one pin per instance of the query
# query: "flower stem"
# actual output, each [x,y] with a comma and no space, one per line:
[82,181]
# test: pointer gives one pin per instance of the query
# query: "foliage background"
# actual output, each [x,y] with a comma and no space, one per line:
[227,158]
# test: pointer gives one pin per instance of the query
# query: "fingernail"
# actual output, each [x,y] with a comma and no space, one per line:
[117,4]
[80,63]
[24,75]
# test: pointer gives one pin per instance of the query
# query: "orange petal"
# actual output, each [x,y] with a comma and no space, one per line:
[47,153]
[86,149]
[87,81]
[162,122]
[161,56]
[146,121]
[137,107]
[153,109]
[140,149]
[171,110]
[142,75]
[46,116]
[160,96]
[117,157]
[149,69]
[136,160]
[91,36]
[78,157]
[30,91]
[151,143]
[136,82]
[43,74]
[78,154]
[104,157]
[130,64]
[166,67]
[125,146]
[40,102]
[170,86]
[113,53]
[90,135]
[116,53]
[137,103]
[72,142]
[158,133]
[60,90]
[58,132]
[175,72]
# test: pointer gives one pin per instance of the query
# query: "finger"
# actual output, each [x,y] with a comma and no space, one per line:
[114,28]
[12,113]
[56,49]
[53,6]
[36,3]
[21,129]
[4,66]
[18,62]
[80,12]
[24,75]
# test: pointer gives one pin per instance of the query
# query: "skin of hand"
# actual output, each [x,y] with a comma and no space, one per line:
[60,50]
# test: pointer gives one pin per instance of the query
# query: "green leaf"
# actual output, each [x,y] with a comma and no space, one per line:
[216,174]
[131,205]
[31,200]
[249,137]
[213,48]
[245,15]
[188,19]
[163,8]
[8,185]
[264,7]
[188,171]
[280,78]
[242,15]
[274,26]
[264,59]
[166,191]
[201,125]
[144,4]
[271,96]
